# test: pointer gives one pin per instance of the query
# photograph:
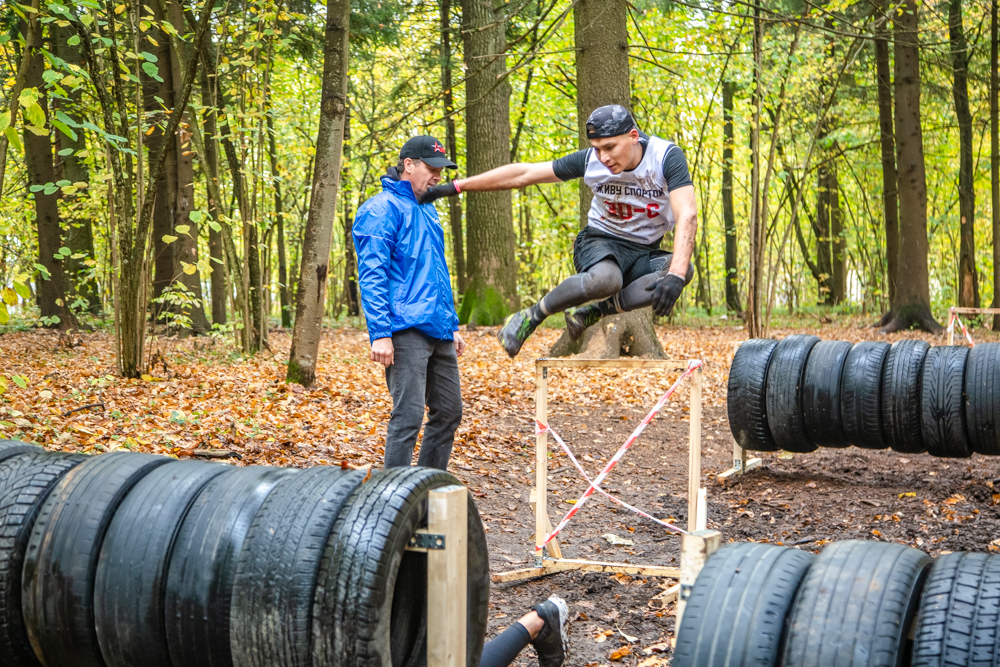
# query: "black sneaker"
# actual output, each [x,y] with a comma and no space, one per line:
[580,319]
[515,331]
[552,642]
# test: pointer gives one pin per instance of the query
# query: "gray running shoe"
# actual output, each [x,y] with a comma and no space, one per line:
[580,319]
[515,331]
[552,642]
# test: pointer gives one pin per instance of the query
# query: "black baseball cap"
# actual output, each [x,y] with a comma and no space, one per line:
[611,120]
[426,149]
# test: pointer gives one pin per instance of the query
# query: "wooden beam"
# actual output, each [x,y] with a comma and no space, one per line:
[662,599]
[447,577]
[550,566]
[694,449]
[695,550]
[541,458]
[553,546]
[626,362]
[983,311]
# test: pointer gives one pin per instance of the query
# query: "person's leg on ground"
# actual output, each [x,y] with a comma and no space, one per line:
[406,378]
[443,395]
[546,627]
[637,294]
[602,280]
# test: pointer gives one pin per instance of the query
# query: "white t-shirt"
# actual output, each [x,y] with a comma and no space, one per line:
[633,205]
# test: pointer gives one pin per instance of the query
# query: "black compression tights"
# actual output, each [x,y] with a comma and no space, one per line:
[501,651]
[603,282]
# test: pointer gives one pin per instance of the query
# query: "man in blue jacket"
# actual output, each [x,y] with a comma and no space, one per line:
[406,294]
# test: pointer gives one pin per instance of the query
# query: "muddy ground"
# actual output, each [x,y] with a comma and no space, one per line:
[803,501]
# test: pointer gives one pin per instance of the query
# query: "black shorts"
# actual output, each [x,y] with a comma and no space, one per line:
[634,259]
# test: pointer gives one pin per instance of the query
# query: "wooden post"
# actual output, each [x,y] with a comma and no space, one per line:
[695,549]
[541,458]
[951,326]
[702,523]
[694,450]
[447,577]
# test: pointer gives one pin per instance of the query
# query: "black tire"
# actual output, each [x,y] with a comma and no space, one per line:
[61,560]
[367,578]
[783,393]
[959,620]
[982,398]
[901,414]
[861,395]
[131,572]
[821,400]
[942,402]
[856,605]
[9,448]
[203,565]
[25,483]
[271,622]
[735,614]
[745,401]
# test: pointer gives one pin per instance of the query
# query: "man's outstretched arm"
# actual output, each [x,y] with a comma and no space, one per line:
[509,177]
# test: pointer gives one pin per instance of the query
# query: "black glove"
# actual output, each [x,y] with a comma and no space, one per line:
[665,294]
[438,191]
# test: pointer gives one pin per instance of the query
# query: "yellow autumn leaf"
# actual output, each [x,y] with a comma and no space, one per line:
[9,296]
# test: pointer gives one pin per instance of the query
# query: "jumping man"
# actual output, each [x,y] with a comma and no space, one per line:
[641,187]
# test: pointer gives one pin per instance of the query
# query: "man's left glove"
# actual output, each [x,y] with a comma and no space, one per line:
[438,191]
[665,293]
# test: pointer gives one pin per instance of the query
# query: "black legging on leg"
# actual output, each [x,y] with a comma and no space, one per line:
[600,281]
[639,293]
[501,651]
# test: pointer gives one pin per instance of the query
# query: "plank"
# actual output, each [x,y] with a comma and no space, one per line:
[695,549]
[624,362]
[694,449]
[662,599]
[553,547]
[569,564]
[447,577]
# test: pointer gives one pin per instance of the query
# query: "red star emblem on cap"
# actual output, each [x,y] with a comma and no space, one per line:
[438,148]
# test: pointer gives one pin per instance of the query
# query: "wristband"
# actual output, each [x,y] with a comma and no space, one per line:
[457,188]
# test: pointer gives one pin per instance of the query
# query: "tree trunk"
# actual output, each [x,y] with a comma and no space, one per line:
[995,154]
[838,248]
[186,253]
[164,213]
[454,203]
[78,232]
[284,295]
[728,214]
[311,295]
[602,77]
[821,228]
[492,260]
[912,304]
[216,245]
[41,172]
[968,281]
[887,141]
[755,323]
[347,223]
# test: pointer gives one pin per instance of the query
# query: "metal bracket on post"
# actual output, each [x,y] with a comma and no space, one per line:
[695,549]
[447,575]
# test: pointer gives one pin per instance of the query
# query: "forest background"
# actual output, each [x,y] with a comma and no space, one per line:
[183,166]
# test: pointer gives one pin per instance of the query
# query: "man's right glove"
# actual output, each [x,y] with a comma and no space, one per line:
[665,294]
[434,193]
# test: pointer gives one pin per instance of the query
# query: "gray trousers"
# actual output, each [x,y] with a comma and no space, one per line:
[424,371]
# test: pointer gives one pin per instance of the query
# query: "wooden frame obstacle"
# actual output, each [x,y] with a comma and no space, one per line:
[549,560]
[961,310]
[445,541]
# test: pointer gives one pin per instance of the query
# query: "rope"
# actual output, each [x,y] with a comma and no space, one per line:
[595,485]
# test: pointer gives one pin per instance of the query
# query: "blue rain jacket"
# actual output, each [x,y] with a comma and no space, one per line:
[401,265]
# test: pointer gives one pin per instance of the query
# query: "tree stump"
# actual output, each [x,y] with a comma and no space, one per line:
[626,335]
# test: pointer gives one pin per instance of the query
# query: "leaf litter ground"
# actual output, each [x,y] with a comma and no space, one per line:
[201,399]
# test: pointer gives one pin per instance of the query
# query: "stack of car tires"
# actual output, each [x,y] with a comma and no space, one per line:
[856,604]
[802,393]
[131,559]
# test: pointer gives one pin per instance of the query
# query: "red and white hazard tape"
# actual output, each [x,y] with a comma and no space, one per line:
[595,485]
[951,326]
